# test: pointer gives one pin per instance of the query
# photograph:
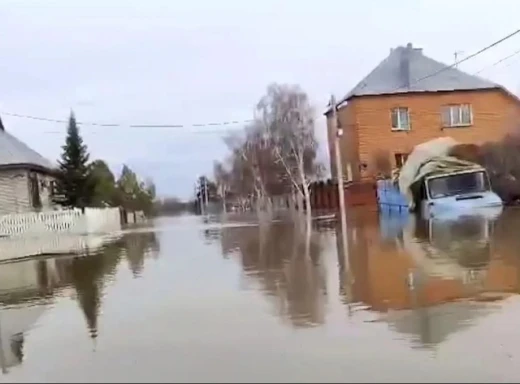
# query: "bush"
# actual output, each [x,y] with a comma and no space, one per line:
[502,162]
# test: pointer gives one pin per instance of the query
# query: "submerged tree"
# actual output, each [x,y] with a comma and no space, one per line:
[287,117]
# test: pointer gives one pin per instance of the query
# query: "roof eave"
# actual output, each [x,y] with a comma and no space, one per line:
[414,92]
[340,104]
[29,167]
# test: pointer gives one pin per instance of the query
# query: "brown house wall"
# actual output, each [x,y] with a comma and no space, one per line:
[367,123]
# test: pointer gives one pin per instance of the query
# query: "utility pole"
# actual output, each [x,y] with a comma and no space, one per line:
[336,127]
[206,197]
[339,175]
[199,196]
[223,193]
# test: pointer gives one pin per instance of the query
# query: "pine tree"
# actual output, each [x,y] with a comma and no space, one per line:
[73,185]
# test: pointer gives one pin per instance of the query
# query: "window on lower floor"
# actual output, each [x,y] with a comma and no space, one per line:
[460,115]
[400,159]
[400,119]
[34,191]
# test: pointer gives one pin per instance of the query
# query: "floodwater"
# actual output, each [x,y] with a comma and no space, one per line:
[195,301]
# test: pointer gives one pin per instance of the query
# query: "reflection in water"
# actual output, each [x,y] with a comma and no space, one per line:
[138,247]
[430,278]
[398,281]
[274,256]
[28,287]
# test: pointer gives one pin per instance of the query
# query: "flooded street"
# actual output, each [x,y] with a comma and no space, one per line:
[194,301]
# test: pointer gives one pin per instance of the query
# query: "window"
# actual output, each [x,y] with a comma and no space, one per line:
[34,191]
[457,115]
[400,119]
[458,184]
[400,159]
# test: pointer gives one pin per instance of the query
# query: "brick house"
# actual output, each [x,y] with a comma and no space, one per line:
[410,98]
[25,177]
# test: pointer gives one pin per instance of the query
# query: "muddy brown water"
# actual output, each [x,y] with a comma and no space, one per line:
[194,301]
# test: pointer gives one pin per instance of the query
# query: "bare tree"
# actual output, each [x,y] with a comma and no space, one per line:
[276,154]
[287,120]
[246,175]
[222,181]
[254,166]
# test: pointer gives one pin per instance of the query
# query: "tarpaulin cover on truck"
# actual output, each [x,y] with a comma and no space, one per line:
[428,159]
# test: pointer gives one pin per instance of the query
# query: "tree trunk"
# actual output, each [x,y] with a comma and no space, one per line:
[299,200]
[308,208]
[306,193]
[292,205]
[269,207]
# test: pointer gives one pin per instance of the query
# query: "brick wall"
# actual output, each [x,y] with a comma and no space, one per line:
[349,143]
[367,123]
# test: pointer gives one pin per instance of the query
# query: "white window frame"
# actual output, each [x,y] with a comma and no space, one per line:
[400,126]
[456,112]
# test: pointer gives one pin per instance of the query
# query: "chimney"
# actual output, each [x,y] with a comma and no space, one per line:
[405,65]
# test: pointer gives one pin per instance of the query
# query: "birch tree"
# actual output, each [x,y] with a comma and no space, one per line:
[222,182]
[288,118]
[254,164]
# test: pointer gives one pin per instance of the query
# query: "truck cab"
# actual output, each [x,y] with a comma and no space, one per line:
[452,192]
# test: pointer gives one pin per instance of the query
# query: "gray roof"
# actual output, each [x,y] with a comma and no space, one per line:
[406,69]
[13,152]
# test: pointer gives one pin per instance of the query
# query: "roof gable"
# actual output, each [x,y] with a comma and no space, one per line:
[14,152]
[406,70]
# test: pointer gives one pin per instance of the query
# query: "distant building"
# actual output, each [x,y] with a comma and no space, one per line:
[410,98]
[26,180]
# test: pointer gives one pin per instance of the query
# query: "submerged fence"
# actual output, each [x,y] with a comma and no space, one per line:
[325,194]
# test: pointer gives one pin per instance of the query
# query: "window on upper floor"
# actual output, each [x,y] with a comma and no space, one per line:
[457,115]
[400,119]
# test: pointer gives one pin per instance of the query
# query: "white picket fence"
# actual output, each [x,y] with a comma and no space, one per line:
[71,222]
[12,248]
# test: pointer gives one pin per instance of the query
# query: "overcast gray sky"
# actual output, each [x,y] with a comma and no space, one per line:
[203,61]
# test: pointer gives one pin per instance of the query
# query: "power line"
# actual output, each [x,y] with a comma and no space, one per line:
[191,132]
[234,122]
[464,59]
[498,62]
[450,66]
[95,124]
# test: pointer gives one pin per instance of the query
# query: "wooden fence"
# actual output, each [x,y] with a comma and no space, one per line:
[325,194]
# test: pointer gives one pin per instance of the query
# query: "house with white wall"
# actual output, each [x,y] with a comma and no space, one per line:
[26,177]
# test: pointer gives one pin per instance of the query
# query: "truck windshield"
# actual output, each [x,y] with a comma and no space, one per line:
[457,184]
